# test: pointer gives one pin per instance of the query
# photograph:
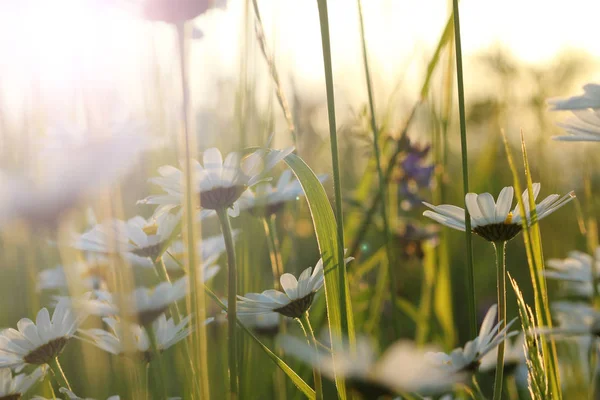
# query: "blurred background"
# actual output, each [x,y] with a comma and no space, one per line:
[75,67]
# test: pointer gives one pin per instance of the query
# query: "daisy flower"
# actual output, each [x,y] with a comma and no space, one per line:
[574,319]
[296,299]
[14,387]
[514,355]
[494,221]
[469,358]
[218,183]
[575,271]
[266,199]
[584,124]
[402,368]
[40,342]
[70,175]
[141,241]
[90,274]
[113,340]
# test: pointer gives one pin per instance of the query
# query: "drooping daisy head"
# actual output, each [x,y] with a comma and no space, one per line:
[468,358]
[266,200]
[39,342]
[584,124]
[219,182]
[141,241]
[576,272]
[402,368]
[137,344]
[13,387]
[494,221]
[296,299]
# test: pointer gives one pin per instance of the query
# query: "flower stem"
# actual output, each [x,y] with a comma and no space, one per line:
[59,374]
[231,301]
[500,248]
[273,244]
[310,337]
[465,171]
[161,374]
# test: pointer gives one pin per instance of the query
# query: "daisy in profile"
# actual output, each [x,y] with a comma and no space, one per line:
[584,124]
[494,221]
[39,342]
[468,358]
[402,368]
[218,183]
[13,387]
[514,355]
[70,175]
[113,340]
[266,200]
[576,272]
[91,274]
[293,302]
[574,319]
[141,241]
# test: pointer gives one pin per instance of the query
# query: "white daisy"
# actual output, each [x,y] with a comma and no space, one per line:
[296,300]
[77,171]
[574,319]
[584,125]
[267,199]
[90,274]
[494,221]
[469,358]
[219,183]
[514,355]
[114,341]
[14,387]
[403,367]
[575,272]
[38,343]
[141,241]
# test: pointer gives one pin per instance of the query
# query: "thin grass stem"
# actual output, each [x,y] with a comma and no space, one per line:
[59,374]
[465,172]
[160,372]
[312,341]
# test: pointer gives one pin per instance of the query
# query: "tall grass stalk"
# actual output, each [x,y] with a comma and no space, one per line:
[382,182]
[262,41]
[500,248]
[231,301]
[465,172]
[191,234]
[343,286]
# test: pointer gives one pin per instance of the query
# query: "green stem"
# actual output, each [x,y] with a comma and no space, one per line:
[344,307]
[196,299]
[59,374]
[382,182]
[310,337]
[231,301]
[500,248]
[160,374]
[465,171]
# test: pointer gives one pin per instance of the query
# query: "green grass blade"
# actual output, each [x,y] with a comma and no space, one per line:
[465,171]
[336,285]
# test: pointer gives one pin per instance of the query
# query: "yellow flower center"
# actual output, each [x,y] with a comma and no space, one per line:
[150,229]
[509,218]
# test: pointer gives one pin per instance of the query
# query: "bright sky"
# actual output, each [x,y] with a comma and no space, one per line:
[62,47]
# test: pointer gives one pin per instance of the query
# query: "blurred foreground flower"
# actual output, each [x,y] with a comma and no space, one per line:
[78,171]
[219,183]
[584,125]
[296,300]
[40,342]
[263,324]
[494,221]
[90,274]
[575,272]
[402,368]
[414,174]
[468,359]
[574,319]
[173,11]
[15,387]
[115,340]
[514,355]
[70,395]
